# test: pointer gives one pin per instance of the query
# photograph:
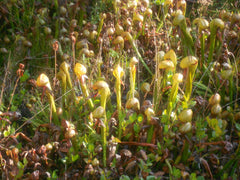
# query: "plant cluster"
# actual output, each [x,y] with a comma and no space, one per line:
[135,89]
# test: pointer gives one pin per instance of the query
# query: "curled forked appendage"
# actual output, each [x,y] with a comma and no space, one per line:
[65,68]
[102,18]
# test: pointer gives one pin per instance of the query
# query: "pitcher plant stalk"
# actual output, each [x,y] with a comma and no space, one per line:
[215,24]
[118,74]
[147,14]
[104,91]
[166,65]
[190,64]
[185,118]
[202,42]
[132,79]
[65,67]
[80,71]
[166,6]
[116,5]
[171,55]
[202,25]
[149,113]
[177,78]
[61,76]
[157,80]
[137,17]
[102,18]
[186,38]
[43,81]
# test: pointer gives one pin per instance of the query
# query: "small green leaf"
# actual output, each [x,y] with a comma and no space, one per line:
[214,124]
[25,161]
[133,117]
[25,76]
[136,128]
[14,108]
[74,157]
[176,173]
[151,178]
[159,2]
[165,129]
[5,133]
[193,176]
[113,53]
[200,178]
[202,87]
[237,125]
[20,171]
[124,177]
[128,135]
[91,147]
[19,146]
[12,130]
[54,175]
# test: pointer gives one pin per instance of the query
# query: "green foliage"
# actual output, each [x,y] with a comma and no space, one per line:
[159,2]
[202,89]
[9,131]
[124,177]
[193,176]
[25,76]
[201,126]
[176,173]
[21,167]
[216,125]
[53,175]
